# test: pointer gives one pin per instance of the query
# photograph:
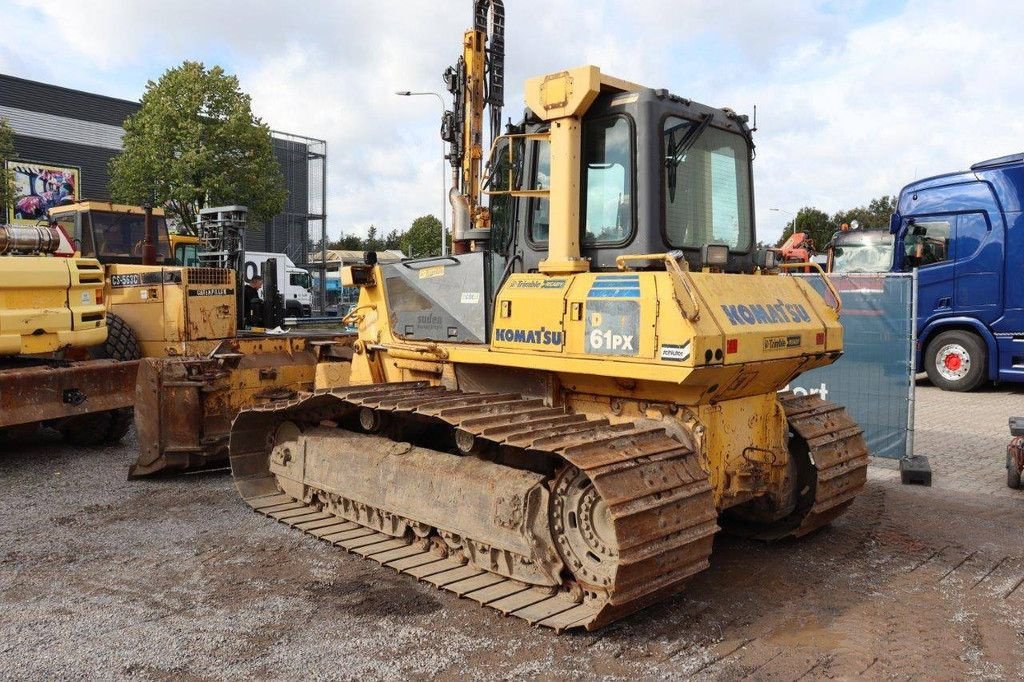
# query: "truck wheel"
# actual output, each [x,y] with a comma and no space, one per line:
[1012,472]
[956,361]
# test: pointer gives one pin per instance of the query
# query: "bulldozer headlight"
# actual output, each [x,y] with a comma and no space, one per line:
[766,259]
[714,255]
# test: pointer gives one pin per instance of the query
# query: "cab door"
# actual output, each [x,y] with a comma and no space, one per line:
[928,246]
[979,265]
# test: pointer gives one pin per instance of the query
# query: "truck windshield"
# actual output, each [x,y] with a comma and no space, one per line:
[863,257]
[300,279]
[119,237]
[707,185]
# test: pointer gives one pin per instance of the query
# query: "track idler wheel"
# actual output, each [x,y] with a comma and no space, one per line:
[583,529]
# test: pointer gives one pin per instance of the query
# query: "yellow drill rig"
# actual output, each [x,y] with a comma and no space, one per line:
[555,421]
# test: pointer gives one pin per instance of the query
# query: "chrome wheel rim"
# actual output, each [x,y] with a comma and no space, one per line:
[953,362]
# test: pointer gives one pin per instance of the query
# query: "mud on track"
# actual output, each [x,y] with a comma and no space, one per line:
[177,578]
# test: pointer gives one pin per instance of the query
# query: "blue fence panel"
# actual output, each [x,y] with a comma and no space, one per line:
[874,379]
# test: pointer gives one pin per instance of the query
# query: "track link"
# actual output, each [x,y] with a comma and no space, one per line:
[837,451]
[658,497]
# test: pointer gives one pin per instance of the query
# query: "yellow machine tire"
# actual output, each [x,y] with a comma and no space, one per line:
[108,427]
[121,343]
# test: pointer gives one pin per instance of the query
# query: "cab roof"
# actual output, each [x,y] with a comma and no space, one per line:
[84,206]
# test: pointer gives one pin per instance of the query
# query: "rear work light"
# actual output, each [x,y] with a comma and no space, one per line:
[714,255]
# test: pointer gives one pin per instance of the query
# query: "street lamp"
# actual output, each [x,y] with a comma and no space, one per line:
[444,171]
[782,210]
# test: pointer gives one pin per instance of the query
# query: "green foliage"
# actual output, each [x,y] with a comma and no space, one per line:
[195,143]
[7,153]
[820,226]
[423,237]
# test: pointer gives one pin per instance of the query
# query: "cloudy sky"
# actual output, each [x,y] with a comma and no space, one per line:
[854,99]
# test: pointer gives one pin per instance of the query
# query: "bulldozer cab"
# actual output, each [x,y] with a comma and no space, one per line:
[656,173]
[112,233]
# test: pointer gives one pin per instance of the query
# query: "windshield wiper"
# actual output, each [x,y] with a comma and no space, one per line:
[689,139]
[679,150]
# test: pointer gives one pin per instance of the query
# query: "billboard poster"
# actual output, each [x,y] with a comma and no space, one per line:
[39,187]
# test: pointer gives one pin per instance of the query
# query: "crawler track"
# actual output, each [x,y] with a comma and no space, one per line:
[838,453]
[660,505]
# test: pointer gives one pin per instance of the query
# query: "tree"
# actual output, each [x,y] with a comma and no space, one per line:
[195,143]
[348,242]
[812,221]
[874,216]
[393,240]
[7,153]
[423,238]
[372,242]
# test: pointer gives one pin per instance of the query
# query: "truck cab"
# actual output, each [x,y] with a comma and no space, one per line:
[294,283]
[964,234]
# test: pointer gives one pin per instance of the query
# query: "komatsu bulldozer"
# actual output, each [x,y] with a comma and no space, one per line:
[55,350]
[555,420]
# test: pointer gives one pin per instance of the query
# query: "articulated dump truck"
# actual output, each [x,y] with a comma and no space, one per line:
[55,368]
[556,420]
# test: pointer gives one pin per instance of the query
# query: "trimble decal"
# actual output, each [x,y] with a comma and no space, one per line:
[538,284]
[781,342]
[542,336]
[770,313]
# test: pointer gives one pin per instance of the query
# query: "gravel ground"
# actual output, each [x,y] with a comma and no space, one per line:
[102,578]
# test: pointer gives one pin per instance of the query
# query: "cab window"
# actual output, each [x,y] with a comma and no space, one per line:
[707,186]
[187,255]
[300,279]
[607,181]
[120,236]
[927,242]
[540,178]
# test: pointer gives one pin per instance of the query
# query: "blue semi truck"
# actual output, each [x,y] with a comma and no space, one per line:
[964,232]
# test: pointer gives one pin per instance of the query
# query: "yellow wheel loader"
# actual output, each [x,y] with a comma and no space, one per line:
[62,358]
[199,368]
[556,420]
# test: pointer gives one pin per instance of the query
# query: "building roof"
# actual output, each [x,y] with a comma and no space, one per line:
[347,256]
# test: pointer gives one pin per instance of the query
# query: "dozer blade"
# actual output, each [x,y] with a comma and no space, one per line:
[184,406]
[623,517]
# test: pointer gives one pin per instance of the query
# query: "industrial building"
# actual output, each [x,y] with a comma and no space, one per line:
[67,137]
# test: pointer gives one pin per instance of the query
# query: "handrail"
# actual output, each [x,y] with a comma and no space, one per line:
[681,279]
[489,174]
[409,262]
[838,307]
[620,261]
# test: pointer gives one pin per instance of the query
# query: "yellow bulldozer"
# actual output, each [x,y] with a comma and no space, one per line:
[555,420]
[184,321]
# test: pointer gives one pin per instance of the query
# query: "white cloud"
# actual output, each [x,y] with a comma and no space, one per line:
[851,104]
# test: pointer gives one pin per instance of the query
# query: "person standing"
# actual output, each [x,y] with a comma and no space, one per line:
[253,304]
